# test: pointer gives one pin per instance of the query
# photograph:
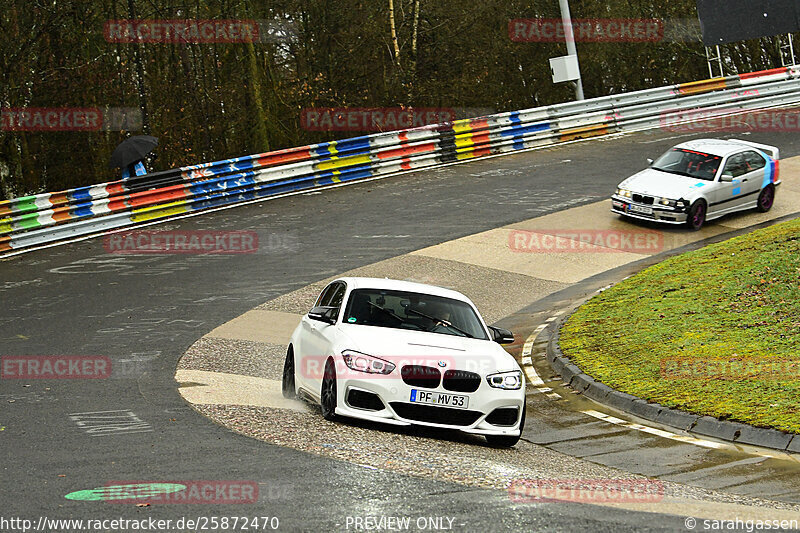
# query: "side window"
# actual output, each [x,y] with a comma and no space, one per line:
[325,295]
[337,296]
[753,161]
[736,166]
[332,296]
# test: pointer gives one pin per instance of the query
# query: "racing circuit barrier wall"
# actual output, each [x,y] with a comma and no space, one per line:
[31,221]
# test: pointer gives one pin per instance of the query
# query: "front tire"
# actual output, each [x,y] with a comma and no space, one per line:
[766,199]
[503,441]
[288,383]
[328,392]
[697,215]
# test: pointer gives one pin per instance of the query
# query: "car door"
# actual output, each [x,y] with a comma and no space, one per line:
[727,194]
[318,338]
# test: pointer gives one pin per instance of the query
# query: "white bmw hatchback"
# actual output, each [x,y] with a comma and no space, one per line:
[405,353]
[701,180]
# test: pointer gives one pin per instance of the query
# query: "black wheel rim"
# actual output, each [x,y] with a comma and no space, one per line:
[699,215]
[288,374]
[766,198]
[329,391]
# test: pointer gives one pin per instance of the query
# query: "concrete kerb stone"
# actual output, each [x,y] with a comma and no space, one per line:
[581,382]
[677,419]
[646,410]
[719,429]
[770,438]
[598,391]
[680,420]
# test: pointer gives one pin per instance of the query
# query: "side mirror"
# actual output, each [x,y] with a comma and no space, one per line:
[324,314]
[650,161]
[501,336]
[727,177]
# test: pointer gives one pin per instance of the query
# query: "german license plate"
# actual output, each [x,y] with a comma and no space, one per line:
[641,209]
[439,398]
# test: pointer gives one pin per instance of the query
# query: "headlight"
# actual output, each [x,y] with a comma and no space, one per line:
[666,201]
[366,363]
[505,380]
[624,192]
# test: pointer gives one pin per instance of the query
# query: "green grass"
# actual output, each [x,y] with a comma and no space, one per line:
[731,311]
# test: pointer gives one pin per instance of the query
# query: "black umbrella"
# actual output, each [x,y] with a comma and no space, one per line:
[132,149]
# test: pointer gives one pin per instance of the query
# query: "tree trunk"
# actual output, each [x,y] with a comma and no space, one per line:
[395,43]
[261,139]
[140,87]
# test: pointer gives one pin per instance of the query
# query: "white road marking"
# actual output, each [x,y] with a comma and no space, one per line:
[686,438]
[527,361]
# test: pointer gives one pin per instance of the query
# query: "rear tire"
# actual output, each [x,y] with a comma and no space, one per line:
[503,441]
[287,383]
[328,392]
[697,215]
[766,199]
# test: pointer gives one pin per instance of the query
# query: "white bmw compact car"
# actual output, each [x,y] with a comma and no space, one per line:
[701,180]
[405,353]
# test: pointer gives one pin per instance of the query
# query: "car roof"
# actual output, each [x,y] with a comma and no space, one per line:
[398,285]
[718,147]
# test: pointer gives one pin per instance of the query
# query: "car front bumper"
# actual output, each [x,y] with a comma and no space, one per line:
[398,409]
[658,213]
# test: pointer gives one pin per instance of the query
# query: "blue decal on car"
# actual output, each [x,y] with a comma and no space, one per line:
[737,190]
[769,169]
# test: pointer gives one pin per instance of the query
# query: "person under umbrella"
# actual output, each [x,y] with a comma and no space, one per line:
[130,153]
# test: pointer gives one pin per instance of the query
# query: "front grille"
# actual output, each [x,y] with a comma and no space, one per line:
[361,399]
[503,416]
[461,381]
[421,376]
[435,415]
[643,199]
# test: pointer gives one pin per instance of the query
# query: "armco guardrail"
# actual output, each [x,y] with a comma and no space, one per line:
[34,220]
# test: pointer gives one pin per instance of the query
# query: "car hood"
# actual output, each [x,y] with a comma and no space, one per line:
[428,349]
[662,184]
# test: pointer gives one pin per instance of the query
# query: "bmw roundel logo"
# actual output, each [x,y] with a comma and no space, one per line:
[442,364]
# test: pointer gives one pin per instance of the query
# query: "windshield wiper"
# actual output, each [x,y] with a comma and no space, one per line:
[678,172]
[387,311]
[439,321]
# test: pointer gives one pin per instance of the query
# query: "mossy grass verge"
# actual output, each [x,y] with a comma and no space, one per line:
[715,331]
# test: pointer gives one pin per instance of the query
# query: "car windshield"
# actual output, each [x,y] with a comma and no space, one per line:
[414,311]
[689,163]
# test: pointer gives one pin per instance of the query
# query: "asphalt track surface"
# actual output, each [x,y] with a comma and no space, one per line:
[145,311]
